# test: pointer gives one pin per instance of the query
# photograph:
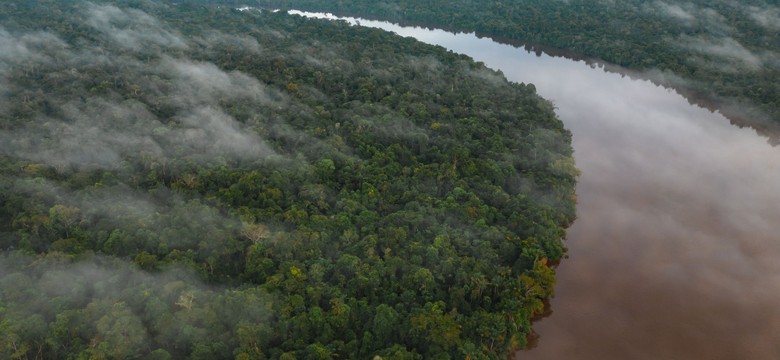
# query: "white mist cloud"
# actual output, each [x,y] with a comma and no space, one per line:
[689,14]
[199,83]
[28,49]
[216,41]
[208,131]
[768,17]
[107,128]
[674,10]
[132,29]
[160,218]
[115,304]
[93,133]
[100,134]
[727,49]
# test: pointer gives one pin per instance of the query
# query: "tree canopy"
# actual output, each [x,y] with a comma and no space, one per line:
[721,54]
[189,182]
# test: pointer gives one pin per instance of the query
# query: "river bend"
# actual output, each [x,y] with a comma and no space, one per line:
[674,254]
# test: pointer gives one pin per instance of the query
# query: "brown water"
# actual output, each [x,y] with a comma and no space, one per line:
[675,254]
[676,250]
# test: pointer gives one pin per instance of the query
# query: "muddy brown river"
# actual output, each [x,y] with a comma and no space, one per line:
[676,250]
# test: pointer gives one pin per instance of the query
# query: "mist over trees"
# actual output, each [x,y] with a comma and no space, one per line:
[181,181]
[724,54]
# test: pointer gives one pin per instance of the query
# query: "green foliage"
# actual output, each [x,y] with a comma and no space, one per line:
[722,54]
[193,182]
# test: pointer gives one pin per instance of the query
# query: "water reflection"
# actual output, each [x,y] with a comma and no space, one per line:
[674,254]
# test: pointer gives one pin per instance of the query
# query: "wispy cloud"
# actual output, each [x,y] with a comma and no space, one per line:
[120,207]
[114,301]
[198,83]
[37,47]
[209,132]
[132,29]
[92,133]
[674,10]
[726,49]
[768,16]
[103,130]
[689,14]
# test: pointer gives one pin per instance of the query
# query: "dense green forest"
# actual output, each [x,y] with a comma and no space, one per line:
[189,182]
[723,54]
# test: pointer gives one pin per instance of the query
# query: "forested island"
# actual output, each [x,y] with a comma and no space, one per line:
[183,181]
[722,54]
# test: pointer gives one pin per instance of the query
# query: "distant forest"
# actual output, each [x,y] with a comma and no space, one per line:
[723,54]
[180,181]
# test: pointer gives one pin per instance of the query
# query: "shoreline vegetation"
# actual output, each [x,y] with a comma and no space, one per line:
[720,55]
[190,182]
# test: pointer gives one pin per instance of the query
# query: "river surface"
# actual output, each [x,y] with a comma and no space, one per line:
[676,250]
